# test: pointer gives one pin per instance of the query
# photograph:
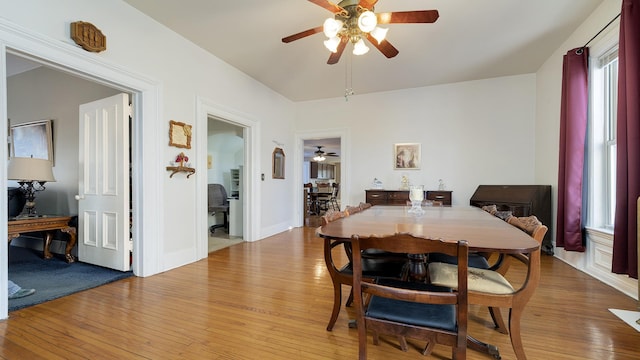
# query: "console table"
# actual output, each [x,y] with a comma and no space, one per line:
[47,224]
[400,197]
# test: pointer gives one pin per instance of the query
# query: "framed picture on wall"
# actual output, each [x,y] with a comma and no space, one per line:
[33,139]
[406,156]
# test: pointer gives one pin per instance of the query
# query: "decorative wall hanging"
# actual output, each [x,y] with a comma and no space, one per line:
[88,36]
[278,163]
[33,139]
[179,134]
[406,156]
[182,164]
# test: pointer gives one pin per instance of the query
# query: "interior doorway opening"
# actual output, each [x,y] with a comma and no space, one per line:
[225,183]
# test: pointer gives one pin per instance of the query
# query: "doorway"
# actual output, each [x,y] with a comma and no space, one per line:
[335,142]
[225,171]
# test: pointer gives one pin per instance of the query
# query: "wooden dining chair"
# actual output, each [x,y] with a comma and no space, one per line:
[350,210]
[490,288]
[342,273]
[437,315]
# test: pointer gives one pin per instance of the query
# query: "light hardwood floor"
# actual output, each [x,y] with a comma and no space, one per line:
[272,299]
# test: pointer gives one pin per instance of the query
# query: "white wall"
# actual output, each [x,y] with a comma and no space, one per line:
[139,45]
[472,133]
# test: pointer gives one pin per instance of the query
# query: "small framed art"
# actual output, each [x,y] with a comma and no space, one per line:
[406,156]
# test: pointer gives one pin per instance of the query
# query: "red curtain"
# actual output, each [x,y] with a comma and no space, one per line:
[573,130]
[625,241]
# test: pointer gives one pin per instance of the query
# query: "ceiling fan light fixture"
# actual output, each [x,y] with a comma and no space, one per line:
[319,158]
[367,21]
[360,48]
[332,44]
[331,27]
[379,33]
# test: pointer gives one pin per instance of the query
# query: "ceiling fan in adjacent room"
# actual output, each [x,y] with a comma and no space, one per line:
[321,155]
[354,21]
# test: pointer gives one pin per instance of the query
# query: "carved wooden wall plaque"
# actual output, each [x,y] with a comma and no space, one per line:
[88,36]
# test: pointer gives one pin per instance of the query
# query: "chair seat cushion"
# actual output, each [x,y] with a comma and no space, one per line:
[475,260]
[418,314]
[479,280]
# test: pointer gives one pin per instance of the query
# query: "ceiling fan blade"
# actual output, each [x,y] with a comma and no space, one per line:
[302,34]
[385,47]
[335,57]
[404,17]
[326,4]
[367,4]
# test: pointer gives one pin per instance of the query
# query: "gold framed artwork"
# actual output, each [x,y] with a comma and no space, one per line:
[179,134]
[406,156]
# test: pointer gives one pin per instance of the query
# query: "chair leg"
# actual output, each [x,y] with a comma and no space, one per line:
[337,303]
[515,316]
[350,299]
[496,315]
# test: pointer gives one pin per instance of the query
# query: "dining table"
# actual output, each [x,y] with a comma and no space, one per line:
[482,231]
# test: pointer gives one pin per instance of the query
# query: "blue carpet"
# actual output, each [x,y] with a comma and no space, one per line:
[53,278]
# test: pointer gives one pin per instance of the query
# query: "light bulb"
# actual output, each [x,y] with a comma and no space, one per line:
[360,48]
[367,21]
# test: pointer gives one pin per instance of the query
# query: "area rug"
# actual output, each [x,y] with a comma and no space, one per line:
[53,278]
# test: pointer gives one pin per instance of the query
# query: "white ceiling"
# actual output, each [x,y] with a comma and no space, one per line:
[471,40]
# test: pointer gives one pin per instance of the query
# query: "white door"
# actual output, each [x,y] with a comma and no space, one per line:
[103,189]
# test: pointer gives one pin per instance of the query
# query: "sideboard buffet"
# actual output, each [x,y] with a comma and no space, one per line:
[400,197]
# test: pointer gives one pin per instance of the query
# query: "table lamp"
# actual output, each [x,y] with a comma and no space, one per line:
[31,174]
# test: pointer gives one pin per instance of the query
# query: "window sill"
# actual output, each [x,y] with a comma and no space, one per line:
[599,231]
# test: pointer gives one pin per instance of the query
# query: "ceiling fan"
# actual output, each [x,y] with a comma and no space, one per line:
[354,21]
[320,155]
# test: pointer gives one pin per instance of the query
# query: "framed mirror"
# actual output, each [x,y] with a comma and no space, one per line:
[278,163]
[179,134]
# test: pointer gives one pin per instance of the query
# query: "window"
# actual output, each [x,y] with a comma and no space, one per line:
[602,141]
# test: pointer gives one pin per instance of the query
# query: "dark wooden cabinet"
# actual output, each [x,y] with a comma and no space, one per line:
[439,195]
[321,171]
[521,200]
[400,197]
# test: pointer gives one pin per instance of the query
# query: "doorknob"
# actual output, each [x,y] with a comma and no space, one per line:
[78,197]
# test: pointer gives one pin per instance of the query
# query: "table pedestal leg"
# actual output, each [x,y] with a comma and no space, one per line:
[70,244]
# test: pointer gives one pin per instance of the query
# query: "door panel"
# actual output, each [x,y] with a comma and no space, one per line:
[103,189]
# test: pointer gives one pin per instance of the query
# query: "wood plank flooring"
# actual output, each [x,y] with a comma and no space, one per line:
[271,299]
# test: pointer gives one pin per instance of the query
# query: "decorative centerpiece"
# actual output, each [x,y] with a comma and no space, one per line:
[404,183]
[416,195]
[377,184]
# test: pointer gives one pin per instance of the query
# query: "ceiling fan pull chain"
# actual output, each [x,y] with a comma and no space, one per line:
[348,78]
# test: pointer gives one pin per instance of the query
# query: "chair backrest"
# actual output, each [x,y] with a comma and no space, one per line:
[407,243]
[350,210]
[335,190]
[216,195]
[364,205]
[332,215]
[531,225]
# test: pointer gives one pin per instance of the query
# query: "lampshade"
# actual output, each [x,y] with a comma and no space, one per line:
[379,33]
[332,43]
[331,27]
[359,48]
[30,169]
[367,21]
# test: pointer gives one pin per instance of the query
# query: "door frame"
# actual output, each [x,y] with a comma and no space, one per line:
[148,197]
[345,165]
[206,108]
